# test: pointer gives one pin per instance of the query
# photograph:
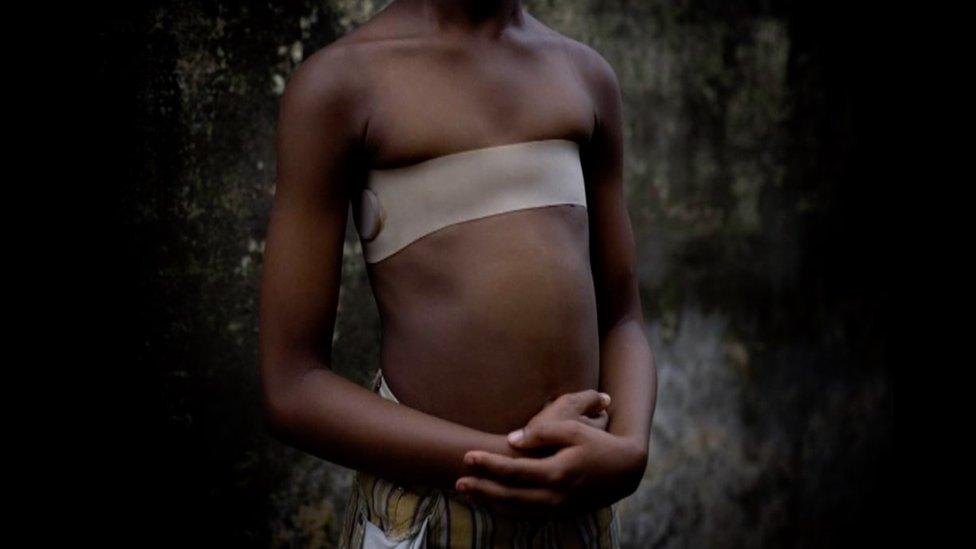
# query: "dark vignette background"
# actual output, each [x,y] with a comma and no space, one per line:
[759,231]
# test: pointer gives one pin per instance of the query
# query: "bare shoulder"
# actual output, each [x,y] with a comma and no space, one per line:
[327,81]
[594,69]
[337,77]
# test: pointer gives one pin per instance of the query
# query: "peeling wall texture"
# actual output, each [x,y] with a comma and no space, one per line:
[757,250]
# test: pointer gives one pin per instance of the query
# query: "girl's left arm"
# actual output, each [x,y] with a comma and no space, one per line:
[627,369]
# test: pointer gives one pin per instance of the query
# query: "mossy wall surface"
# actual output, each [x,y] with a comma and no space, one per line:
[757,261]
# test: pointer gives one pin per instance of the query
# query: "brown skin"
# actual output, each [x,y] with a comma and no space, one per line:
[485,321]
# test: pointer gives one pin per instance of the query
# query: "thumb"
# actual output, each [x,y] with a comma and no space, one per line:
[563,432]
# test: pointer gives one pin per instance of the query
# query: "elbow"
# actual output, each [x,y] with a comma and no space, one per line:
[285,395]
[280,404]
[638,460]
[634,457]
[281,380]
[279,415]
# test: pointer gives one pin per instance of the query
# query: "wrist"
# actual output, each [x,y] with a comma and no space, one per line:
[499,444]
[488,442]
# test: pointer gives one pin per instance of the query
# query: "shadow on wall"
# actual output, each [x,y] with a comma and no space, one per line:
[744,127]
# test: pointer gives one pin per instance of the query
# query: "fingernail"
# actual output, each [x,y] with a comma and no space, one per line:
[515,436]
[605,397]
[460,486]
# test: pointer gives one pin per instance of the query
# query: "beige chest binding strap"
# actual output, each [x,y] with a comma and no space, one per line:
[400,205]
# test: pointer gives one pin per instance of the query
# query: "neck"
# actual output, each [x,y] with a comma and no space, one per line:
[488,18]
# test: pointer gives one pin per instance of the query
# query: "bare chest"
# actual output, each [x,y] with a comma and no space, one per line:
[426,106]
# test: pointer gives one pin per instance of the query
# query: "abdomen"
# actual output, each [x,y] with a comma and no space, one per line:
[486,319]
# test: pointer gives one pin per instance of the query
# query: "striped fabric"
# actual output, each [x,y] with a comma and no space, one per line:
[382,514]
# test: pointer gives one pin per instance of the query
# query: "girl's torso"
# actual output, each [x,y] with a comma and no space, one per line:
[483,320]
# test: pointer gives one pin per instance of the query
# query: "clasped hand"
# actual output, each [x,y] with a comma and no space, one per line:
[565,463]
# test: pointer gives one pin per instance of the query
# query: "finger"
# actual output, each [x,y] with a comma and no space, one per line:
[586,402]
[602,421]
[518,470]
[598,421]
[591,421]
[564,433]
[520,499]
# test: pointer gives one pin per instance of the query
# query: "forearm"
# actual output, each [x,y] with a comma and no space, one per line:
[340,421]
[628,373]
